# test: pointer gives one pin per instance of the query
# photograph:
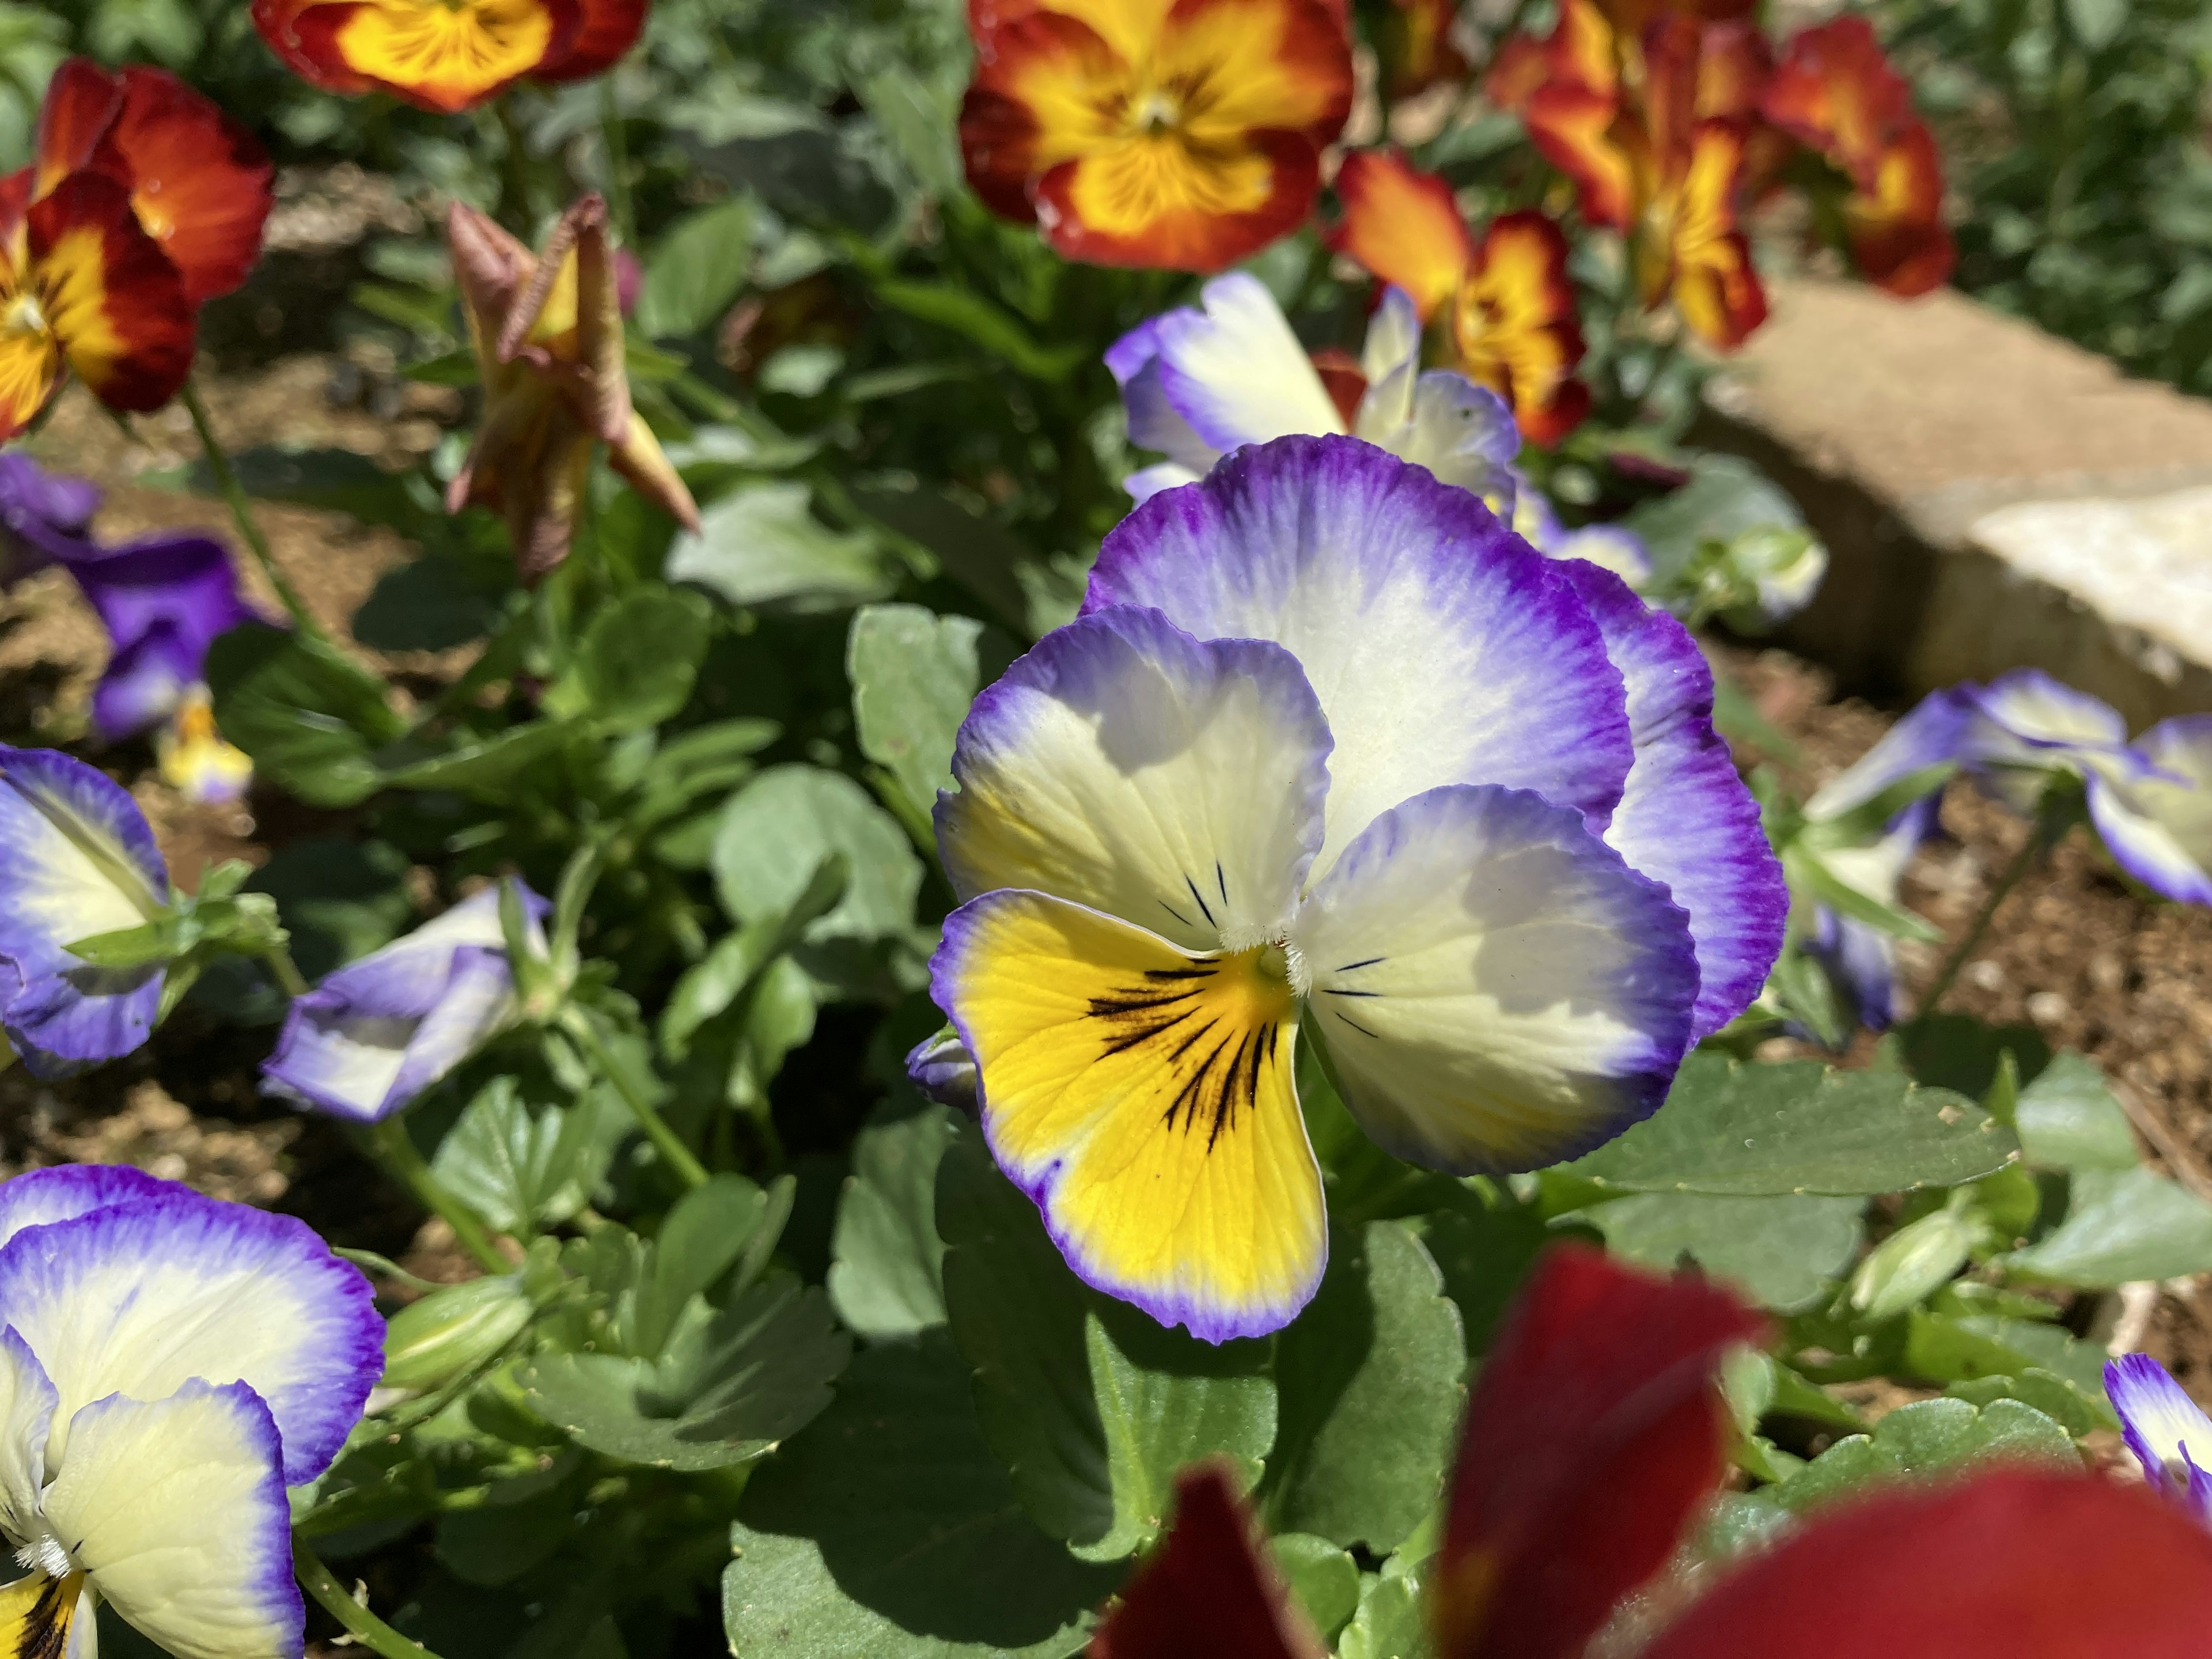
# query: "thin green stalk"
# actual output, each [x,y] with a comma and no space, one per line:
[679,1157]
[289,976]
[617,144]
[234,495]
[2050,828]
[361,1624]
[390,1143]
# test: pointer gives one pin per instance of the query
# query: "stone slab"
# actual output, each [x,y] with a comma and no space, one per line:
[1991,497]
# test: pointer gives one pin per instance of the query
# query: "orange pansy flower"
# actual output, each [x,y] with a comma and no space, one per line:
[447,55]
[547,332]
[1836,93]
[84,289]
[1655,146]
[1508,307]
[199,184]
[1177,134]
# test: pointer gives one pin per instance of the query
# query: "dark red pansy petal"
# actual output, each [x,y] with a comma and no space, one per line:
[277,22]
[81,101]
[1594,1434]
[1205,1593]
[200,182]
[1344,380]
[110,297]
[605,31]
[2009,1566]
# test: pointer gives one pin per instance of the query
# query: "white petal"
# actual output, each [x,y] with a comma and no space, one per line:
[1394,337]
[1125,766]
[1498,989]
[27,1411]
[175,1509]
[2159,825]
[1236,372]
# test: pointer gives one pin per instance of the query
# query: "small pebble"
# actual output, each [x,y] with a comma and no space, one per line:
[2048,1008]
[1986,975]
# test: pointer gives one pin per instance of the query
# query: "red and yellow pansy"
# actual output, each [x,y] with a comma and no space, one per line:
[1177,134]
[1836,93]
[1507,306]
[447,55]
[1653,128]
[144,200]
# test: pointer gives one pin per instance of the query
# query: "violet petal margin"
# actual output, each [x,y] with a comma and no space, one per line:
[1444,649]
[1686,819]
[2162,1426]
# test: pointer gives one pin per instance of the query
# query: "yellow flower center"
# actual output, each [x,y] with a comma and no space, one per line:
[454,50]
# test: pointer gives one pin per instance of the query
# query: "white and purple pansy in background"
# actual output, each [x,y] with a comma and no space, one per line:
[37,507]
[2150,799]
[2169,1432]
[1858,955]
[379,1031]
[1331,750]
[169,1365]
[80,862]
[1609,546]
[1201,384]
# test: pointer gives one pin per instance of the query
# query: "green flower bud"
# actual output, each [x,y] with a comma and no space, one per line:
[1913,1262]
[453,1329]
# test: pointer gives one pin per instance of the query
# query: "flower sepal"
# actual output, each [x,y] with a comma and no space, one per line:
[192,931]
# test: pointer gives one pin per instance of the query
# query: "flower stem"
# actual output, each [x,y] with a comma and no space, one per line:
[2050,828]
[233,495]
[289,979]
[389,1142]
[679,1157]
[618,145]
[361,1624]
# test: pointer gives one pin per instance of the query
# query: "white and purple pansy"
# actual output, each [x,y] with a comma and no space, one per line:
[1331,752]
[2150,799]
[1200,384]
[379,1031]
[169,1365]
[1858,955]
[81,861]
[2169,1432]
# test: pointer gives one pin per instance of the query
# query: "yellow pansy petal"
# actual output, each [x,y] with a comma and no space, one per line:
[1142,1095]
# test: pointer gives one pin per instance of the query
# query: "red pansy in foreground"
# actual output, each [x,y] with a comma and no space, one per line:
[1595,1434]
[199,183]
[1509,306]
[447,55]
[1181,135]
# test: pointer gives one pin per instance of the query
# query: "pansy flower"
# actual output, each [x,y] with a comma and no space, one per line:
[1653,130]
[1201,383]
[163,600]
[2149,798]
[81,862]
[446,56]
[1857,954]
[1416,45]
[379,1031]
[1609,546]
[1330,750]
[547,332]
[1594,1439]
[1508,308]
[2169,1432]
[200,185]
[1836,92]
[1180,134]
[169,1365]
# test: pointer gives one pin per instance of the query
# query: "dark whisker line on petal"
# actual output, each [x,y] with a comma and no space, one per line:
[1224,1107]
[1368,962]
[1201,898]
[1221,881]
[1177,913]
[1358,1027]
[1332,991]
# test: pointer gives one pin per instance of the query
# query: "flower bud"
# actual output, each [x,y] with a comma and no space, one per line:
[453,1330]
[1910,1263]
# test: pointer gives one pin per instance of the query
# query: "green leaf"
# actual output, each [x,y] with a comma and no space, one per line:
[162,939]
[886,1274]
[778,830]
[2122,1226]
[484,768]
[1389,1624]
[1729,1128]
[1927,1437]
[519,1169]
[311,717]
[1324,1578]
[1724,498]
[1784,1251]
[2097,23]
[1484,1250]
[980,553]
[1371,1390]
[637,663]
[760,545]
[2066,1119]
[2049,1392]
[756,1372]
[1946,1349]
[1091,1404]
[697,269]
[331,480]
[888,1530]
[340,897]
[984,323]
[914,675]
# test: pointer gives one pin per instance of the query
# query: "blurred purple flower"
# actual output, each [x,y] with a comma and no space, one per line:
[43,517]
[2166,1431]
